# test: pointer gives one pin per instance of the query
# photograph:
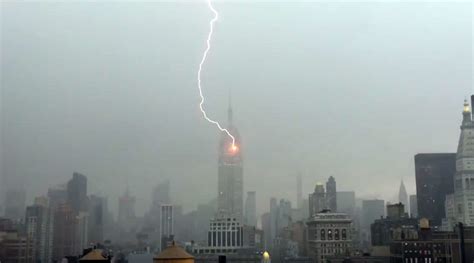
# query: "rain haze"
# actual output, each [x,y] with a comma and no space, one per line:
[349,89]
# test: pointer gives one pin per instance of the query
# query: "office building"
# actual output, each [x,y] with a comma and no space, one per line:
[329,234]
[434,181]
[331,194]
[251,209]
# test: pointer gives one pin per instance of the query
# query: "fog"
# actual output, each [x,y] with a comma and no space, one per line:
[108,89]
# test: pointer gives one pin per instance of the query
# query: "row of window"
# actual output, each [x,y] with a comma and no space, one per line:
[225,238]
[331,234]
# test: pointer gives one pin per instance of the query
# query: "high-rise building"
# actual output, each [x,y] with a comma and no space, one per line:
[402,195]
[371,210]
[230,172]
[317,200]
[166,224]
[346,202]
[434,181]
[161,193]
[413,206]
[97,213]
[65,232]
[251,209]
[126,211]
[38,229]
[331,194]
[77,193]
[15,204]
[464,176]
[167,220]
[299,191]
[273,221]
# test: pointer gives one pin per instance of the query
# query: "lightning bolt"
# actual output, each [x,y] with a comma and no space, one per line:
[203,60]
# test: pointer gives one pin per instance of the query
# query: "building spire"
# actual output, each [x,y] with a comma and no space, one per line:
[466,112]
[229,110]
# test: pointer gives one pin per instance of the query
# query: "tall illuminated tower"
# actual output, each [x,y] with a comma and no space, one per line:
[230,173]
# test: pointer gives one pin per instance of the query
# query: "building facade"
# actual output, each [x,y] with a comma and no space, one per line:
[464,176]
[329,234]
[403,196]
[434,174]
[230,172]
[413,206]
[166,224]
[77,193]
[317,200]
[331,194]
[251,209]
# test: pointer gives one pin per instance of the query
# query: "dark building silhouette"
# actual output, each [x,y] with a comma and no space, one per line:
[434,180]
[77,192]
[331,194]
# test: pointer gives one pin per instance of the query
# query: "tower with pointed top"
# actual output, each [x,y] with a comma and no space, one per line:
[403,196]
[230,172]
[464,176]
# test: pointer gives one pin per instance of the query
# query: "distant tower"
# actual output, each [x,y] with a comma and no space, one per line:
[317,200]
[403,196]
[251,209]
[413,206]
[464,176]
[126,213]
[230,173]
[299,191]
[331,194]
[166,225]
[77,193]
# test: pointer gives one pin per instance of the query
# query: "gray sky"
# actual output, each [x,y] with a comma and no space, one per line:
[108,89]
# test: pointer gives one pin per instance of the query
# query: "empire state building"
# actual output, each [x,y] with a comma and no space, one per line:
[230,173]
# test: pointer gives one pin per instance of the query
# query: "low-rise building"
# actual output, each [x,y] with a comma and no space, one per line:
[329,234]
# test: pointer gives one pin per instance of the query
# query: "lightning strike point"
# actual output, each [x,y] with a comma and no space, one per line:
[203,60]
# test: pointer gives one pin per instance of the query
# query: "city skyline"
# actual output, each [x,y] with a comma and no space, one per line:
[143,147]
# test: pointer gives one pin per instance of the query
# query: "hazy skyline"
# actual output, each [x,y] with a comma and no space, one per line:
[352,90]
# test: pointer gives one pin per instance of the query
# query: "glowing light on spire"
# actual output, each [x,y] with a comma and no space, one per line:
[204,56]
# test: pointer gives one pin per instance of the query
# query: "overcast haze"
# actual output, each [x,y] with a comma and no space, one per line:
[353,90]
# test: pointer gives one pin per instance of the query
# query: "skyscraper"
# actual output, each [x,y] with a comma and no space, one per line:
[371,210]
[251,209]
[402,195]
[37,231]
[317,200]
[434,181]
[65,232]
[331,194]
[126,211]
[413,206]
[346,202]
[97,213]
[230,173]
[77,193]
[166,224]
[299,191]
[464,176]
[161,194]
